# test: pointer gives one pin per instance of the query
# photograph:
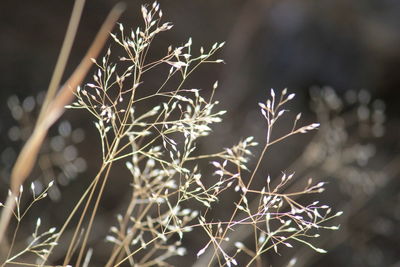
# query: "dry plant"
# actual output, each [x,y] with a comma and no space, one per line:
[341,151]
[158,144]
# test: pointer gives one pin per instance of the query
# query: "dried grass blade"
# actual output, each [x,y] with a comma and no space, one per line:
[28,155]
[64,55]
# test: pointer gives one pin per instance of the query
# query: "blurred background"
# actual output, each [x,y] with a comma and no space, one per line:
[341,58]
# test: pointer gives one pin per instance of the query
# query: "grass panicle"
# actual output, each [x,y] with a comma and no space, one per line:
[155,131]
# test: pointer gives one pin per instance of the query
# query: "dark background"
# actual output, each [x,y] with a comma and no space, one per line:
[270,44]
